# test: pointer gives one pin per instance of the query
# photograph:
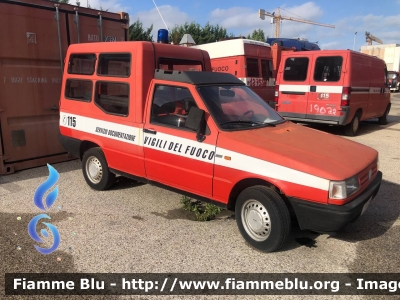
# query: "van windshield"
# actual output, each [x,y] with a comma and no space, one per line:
[237,107]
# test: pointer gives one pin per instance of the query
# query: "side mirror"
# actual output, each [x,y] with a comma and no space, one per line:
[195,121]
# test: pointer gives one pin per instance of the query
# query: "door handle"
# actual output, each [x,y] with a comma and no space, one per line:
[151,131]
[313,88]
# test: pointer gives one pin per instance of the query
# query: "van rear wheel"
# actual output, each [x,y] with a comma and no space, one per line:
[352,128]
[95,170]
[263,218]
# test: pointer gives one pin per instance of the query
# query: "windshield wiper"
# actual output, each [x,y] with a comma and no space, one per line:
[252,123]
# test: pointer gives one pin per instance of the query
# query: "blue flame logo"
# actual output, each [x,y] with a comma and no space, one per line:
[49,201]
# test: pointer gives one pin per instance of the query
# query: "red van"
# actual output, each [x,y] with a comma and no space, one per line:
[339,87]
[250,61]
[207,135]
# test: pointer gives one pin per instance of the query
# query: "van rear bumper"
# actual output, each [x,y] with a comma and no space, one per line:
[330,218]
[71,145]
[341,120]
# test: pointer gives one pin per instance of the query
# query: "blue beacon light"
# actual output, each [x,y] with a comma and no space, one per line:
[162,36]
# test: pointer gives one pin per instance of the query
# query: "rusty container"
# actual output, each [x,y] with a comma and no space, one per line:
[35,35]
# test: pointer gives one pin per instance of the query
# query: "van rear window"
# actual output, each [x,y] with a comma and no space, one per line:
[81,64]
[175,64]
[296,69]
[252,67]
[114,64]
[80,90]
[328,68]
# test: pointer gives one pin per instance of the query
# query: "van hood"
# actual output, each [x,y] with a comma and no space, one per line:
[303,149]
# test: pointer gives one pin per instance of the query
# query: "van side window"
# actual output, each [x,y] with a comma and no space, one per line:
[328,68]
[112,97]
[80,90]
[266,69]
[176,64]
[295,69]
[252,67]
[81,64]
[114,64]
[171,105]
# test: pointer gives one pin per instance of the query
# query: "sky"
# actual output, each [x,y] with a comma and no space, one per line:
[352,18]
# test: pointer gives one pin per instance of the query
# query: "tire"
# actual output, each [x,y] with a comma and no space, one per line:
[352,128]
[96,171]
[383,120]
[262,218]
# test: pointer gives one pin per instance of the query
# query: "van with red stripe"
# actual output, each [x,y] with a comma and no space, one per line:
[207,135]
[338,87]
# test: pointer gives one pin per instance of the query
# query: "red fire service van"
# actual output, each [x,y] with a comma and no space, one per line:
[339,87]
[250,61]
[207,135]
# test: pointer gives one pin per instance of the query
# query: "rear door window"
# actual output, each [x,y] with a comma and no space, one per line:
[252,67]
[266,68]
[328,68]
[296,69]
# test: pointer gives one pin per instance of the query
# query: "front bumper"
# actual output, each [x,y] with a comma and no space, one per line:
[330,218]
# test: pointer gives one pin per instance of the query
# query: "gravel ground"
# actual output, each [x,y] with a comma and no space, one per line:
[136,228]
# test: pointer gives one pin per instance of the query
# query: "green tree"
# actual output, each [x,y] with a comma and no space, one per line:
[64,1]
[201,35]
[138,33]
[257,35]
[78,3]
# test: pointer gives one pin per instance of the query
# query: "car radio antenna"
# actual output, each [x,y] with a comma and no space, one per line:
[160,15]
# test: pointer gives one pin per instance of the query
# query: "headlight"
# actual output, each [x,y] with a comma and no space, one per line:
[343,189]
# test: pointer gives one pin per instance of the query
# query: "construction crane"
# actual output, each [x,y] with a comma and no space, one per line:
[278,17]
[369,38]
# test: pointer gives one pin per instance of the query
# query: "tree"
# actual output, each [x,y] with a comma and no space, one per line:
[201,35]
[78,3]
[138,33]
[257,35]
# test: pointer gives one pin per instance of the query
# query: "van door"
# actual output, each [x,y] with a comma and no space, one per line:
[294,87]
[173,156]
[326,87]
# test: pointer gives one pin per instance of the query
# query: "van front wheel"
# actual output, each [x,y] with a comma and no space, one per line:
[352,128]
[96,171]
[262,218]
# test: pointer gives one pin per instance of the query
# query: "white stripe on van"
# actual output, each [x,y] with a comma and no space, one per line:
[294,88]
[334,89]
[115,131]
[191,149]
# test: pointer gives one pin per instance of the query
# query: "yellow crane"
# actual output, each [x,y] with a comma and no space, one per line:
[369,38]
[278,17]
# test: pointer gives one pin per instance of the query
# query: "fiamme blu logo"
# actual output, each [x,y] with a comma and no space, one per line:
[45,204]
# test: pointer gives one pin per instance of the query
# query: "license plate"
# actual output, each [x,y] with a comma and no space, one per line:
[366,206]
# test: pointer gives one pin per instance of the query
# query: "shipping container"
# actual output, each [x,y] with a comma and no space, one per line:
[35,35]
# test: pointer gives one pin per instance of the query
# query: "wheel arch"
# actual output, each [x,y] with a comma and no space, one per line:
[249,182]
[85,146]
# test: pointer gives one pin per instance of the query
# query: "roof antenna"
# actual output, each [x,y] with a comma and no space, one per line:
[160,15]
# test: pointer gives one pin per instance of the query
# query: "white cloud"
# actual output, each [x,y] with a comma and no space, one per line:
[172,16]
[109,5]
[243,20]
[329,46]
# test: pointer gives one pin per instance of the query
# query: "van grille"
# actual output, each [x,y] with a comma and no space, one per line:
[367,175]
